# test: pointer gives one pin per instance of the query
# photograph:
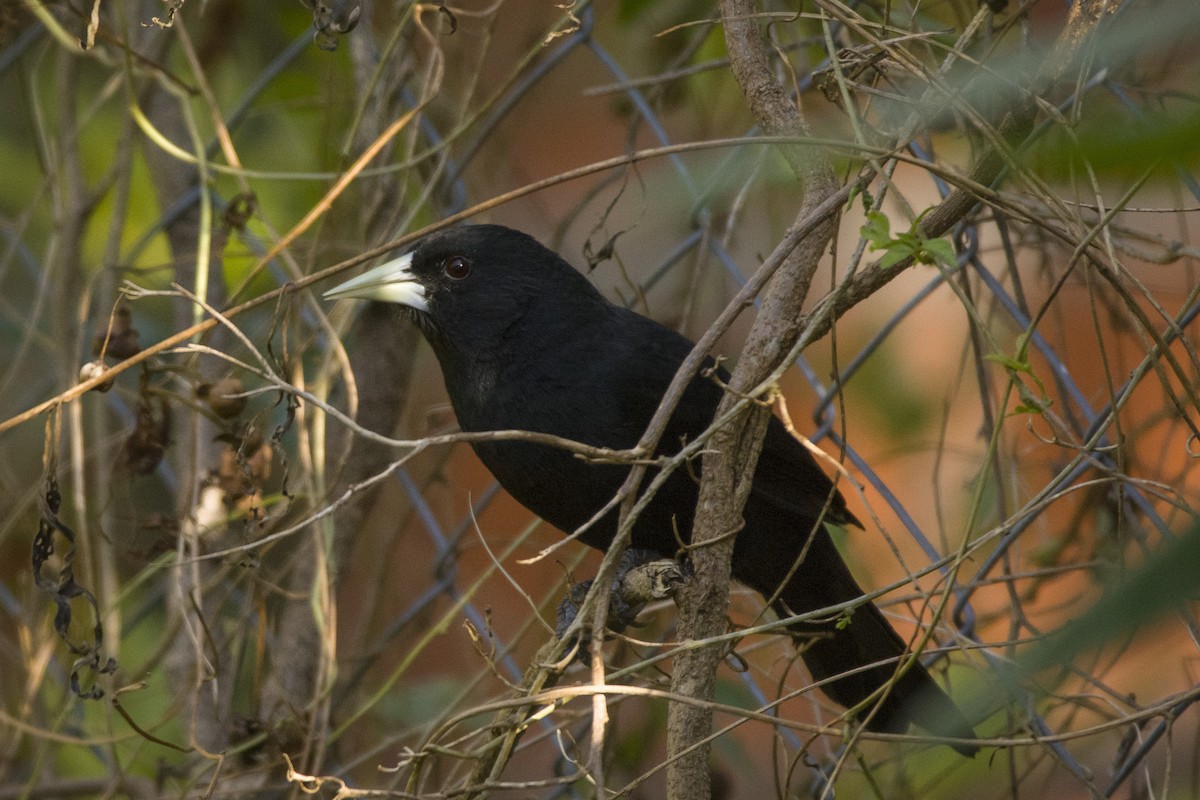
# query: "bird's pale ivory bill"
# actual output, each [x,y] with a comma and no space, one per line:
[392,282]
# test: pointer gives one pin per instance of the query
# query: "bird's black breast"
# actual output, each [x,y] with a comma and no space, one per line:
[599,386]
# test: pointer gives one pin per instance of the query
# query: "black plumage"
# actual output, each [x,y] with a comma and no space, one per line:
[527,343]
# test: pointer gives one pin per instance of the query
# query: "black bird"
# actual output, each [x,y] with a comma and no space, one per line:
[527,343]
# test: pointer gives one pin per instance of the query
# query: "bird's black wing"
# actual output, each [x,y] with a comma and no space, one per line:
[789,477]
[601,387]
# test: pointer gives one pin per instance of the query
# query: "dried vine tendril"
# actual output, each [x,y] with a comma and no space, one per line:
[58,581]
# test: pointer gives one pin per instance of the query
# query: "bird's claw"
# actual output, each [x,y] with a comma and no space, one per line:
[642,577]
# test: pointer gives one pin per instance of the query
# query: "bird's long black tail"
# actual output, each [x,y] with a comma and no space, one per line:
[863,652]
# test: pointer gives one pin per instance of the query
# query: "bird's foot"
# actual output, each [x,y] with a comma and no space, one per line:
[642,577]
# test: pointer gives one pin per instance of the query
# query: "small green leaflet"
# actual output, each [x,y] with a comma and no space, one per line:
[909,244]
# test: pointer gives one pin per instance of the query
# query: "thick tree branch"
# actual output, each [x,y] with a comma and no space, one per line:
[734,450]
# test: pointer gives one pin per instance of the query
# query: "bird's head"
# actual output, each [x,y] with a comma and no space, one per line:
[473,287]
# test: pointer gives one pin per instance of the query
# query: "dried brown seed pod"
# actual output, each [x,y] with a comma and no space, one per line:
[90,370]
[118,339]
[223,396]
[148,441]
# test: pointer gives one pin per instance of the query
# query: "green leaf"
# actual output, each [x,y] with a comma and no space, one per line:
[941,251]
[862,195]
[877,230]
[1008,362]
[909,244]
[1031,403]
[895,254]
[1025,408]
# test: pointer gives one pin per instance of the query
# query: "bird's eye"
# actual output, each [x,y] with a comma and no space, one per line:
[456,268]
